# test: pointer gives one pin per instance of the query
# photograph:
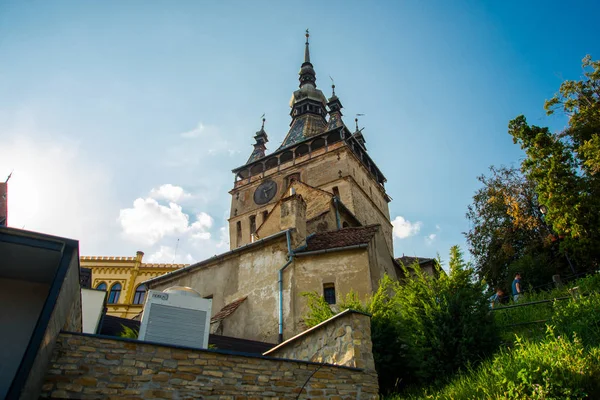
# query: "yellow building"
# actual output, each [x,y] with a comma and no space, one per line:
[122,277]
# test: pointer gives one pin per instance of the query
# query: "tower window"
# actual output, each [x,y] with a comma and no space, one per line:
[140,294]
[336,191]
[252,224]
[265,214]
[238,234]
[329,293]
[115,293]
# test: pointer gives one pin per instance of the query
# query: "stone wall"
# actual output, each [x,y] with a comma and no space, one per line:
[344,339]
[93,367]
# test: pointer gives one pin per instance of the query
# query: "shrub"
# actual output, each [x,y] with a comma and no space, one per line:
[128,332]
[449,326]
[425,328]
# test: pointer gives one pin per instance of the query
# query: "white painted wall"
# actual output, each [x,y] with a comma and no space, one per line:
[92,303]
[21,303]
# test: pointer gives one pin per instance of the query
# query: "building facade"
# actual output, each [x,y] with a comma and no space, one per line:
[122,278]
[312,216]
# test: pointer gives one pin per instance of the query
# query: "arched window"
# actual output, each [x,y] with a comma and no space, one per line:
[140,294]
[101,286]
[115,292]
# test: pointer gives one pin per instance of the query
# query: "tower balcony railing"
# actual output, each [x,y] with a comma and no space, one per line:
[302,151]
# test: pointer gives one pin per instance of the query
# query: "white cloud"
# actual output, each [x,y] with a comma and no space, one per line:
[201,130]
[167,254]
[148,221]
[194,133]
[170,192]
[404,228]
[200,228]
[223,238]
[430,238]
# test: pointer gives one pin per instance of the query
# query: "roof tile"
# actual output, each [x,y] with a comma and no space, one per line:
[341,238]
[227,310]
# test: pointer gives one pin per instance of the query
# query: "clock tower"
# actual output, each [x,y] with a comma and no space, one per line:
[319,151]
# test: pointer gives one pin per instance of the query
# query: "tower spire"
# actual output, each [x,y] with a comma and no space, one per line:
[306,49]
[307,72]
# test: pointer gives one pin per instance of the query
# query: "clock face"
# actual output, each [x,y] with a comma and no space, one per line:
[265,192]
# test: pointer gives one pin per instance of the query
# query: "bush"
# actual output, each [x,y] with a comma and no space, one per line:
[426,328]
[128,332]
[449,326]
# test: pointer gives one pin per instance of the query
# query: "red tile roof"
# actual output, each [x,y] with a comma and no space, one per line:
[227,310]
[341,238]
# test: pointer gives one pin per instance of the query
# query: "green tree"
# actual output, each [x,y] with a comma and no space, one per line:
[564,166]
[508,233]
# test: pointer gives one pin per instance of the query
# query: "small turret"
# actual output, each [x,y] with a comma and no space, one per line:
[335,110]
[358,133]
[260,145]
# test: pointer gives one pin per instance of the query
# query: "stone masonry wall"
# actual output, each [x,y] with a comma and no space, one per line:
[344,339]
[92,367]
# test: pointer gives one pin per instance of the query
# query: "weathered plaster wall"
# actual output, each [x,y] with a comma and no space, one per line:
[344,339]
[317,201]
[348,270]
[252,273]
[368,214]
[89,367]
[380,260]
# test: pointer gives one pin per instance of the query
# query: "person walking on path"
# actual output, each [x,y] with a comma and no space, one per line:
[496,298]
[517,289]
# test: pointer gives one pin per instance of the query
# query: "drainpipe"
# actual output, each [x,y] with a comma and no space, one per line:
[337,213]
[289,261]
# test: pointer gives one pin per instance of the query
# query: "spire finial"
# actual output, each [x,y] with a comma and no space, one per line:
[306,51]
[356,120]
[332,86]
[263,122]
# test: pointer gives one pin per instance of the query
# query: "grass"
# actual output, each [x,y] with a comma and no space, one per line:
[557,367]
[559,359]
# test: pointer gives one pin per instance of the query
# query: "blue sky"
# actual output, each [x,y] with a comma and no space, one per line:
[123,120]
